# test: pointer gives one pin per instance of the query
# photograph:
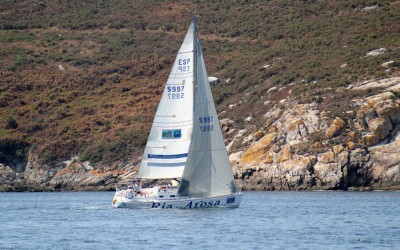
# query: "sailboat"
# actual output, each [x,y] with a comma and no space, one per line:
[185,164]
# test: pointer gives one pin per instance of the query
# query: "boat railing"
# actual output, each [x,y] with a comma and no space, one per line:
[126,185]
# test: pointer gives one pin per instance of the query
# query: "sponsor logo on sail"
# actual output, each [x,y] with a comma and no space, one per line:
[171,133]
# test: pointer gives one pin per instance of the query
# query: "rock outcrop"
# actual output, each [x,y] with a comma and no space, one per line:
[75,176]
[292,157]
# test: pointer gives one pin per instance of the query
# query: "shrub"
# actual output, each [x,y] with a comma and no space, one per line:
[11,123]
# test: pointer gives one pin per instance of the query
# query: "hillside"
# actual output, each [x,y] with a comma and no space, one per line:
[83,79]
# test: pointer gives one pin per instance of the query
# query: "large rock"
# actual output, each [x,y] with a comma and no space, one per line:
[285,154]
[328,175]
[371,140]
[376,52]
[390,110]
[327,157]
[380,127]
[296,123]
[226,124]
[387,83]
[380,114]
[257,151]
[386,159]
[364,115]
[336,128]
[378,99]
[7,178]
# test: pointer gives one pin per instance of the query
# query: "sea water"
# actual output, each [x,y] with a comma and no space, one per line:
[264,220]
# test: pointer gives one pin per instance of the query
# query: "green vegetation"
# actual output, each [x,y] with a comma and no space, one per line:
[84,77]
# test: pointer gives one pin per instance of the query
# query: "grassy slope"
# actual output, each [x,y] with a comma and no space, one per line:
[83,77]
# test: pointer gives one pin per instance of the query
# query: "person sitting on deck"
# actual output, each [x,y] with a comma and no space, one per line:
[175,183]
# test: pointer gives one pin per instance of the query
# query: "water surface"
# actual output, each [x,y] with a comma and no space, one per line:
[265,220]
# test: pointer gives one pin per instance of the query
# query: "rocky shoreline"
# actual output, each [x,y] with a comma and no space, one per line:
[299,148]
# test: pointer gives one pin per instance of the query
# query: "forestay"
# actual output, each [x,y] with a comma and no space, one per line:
[168,143]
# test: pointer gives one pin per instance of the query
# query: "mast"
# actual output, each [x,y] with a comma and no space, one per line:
[194,60]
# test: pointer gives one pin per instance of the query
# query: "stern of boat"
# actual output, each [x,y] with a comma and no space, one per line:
[234,200]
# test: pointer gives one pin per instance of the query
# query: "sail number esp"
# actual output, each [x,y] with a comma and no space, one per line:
[175,92]
[206,127]
[183,65]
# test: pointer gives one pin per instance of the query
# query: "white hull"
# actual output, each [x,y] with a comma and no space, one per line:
[229,201]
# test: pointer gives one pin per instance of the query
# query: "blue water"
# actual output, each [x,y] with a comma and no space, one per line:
[265,220]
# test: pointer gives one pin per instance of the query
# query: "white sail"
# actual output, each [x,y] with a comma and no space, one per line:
[208,172]
[167,146]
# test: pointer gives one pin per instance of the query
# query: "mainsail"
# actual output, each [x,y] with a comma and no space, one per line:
[208,172]
[168,143]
